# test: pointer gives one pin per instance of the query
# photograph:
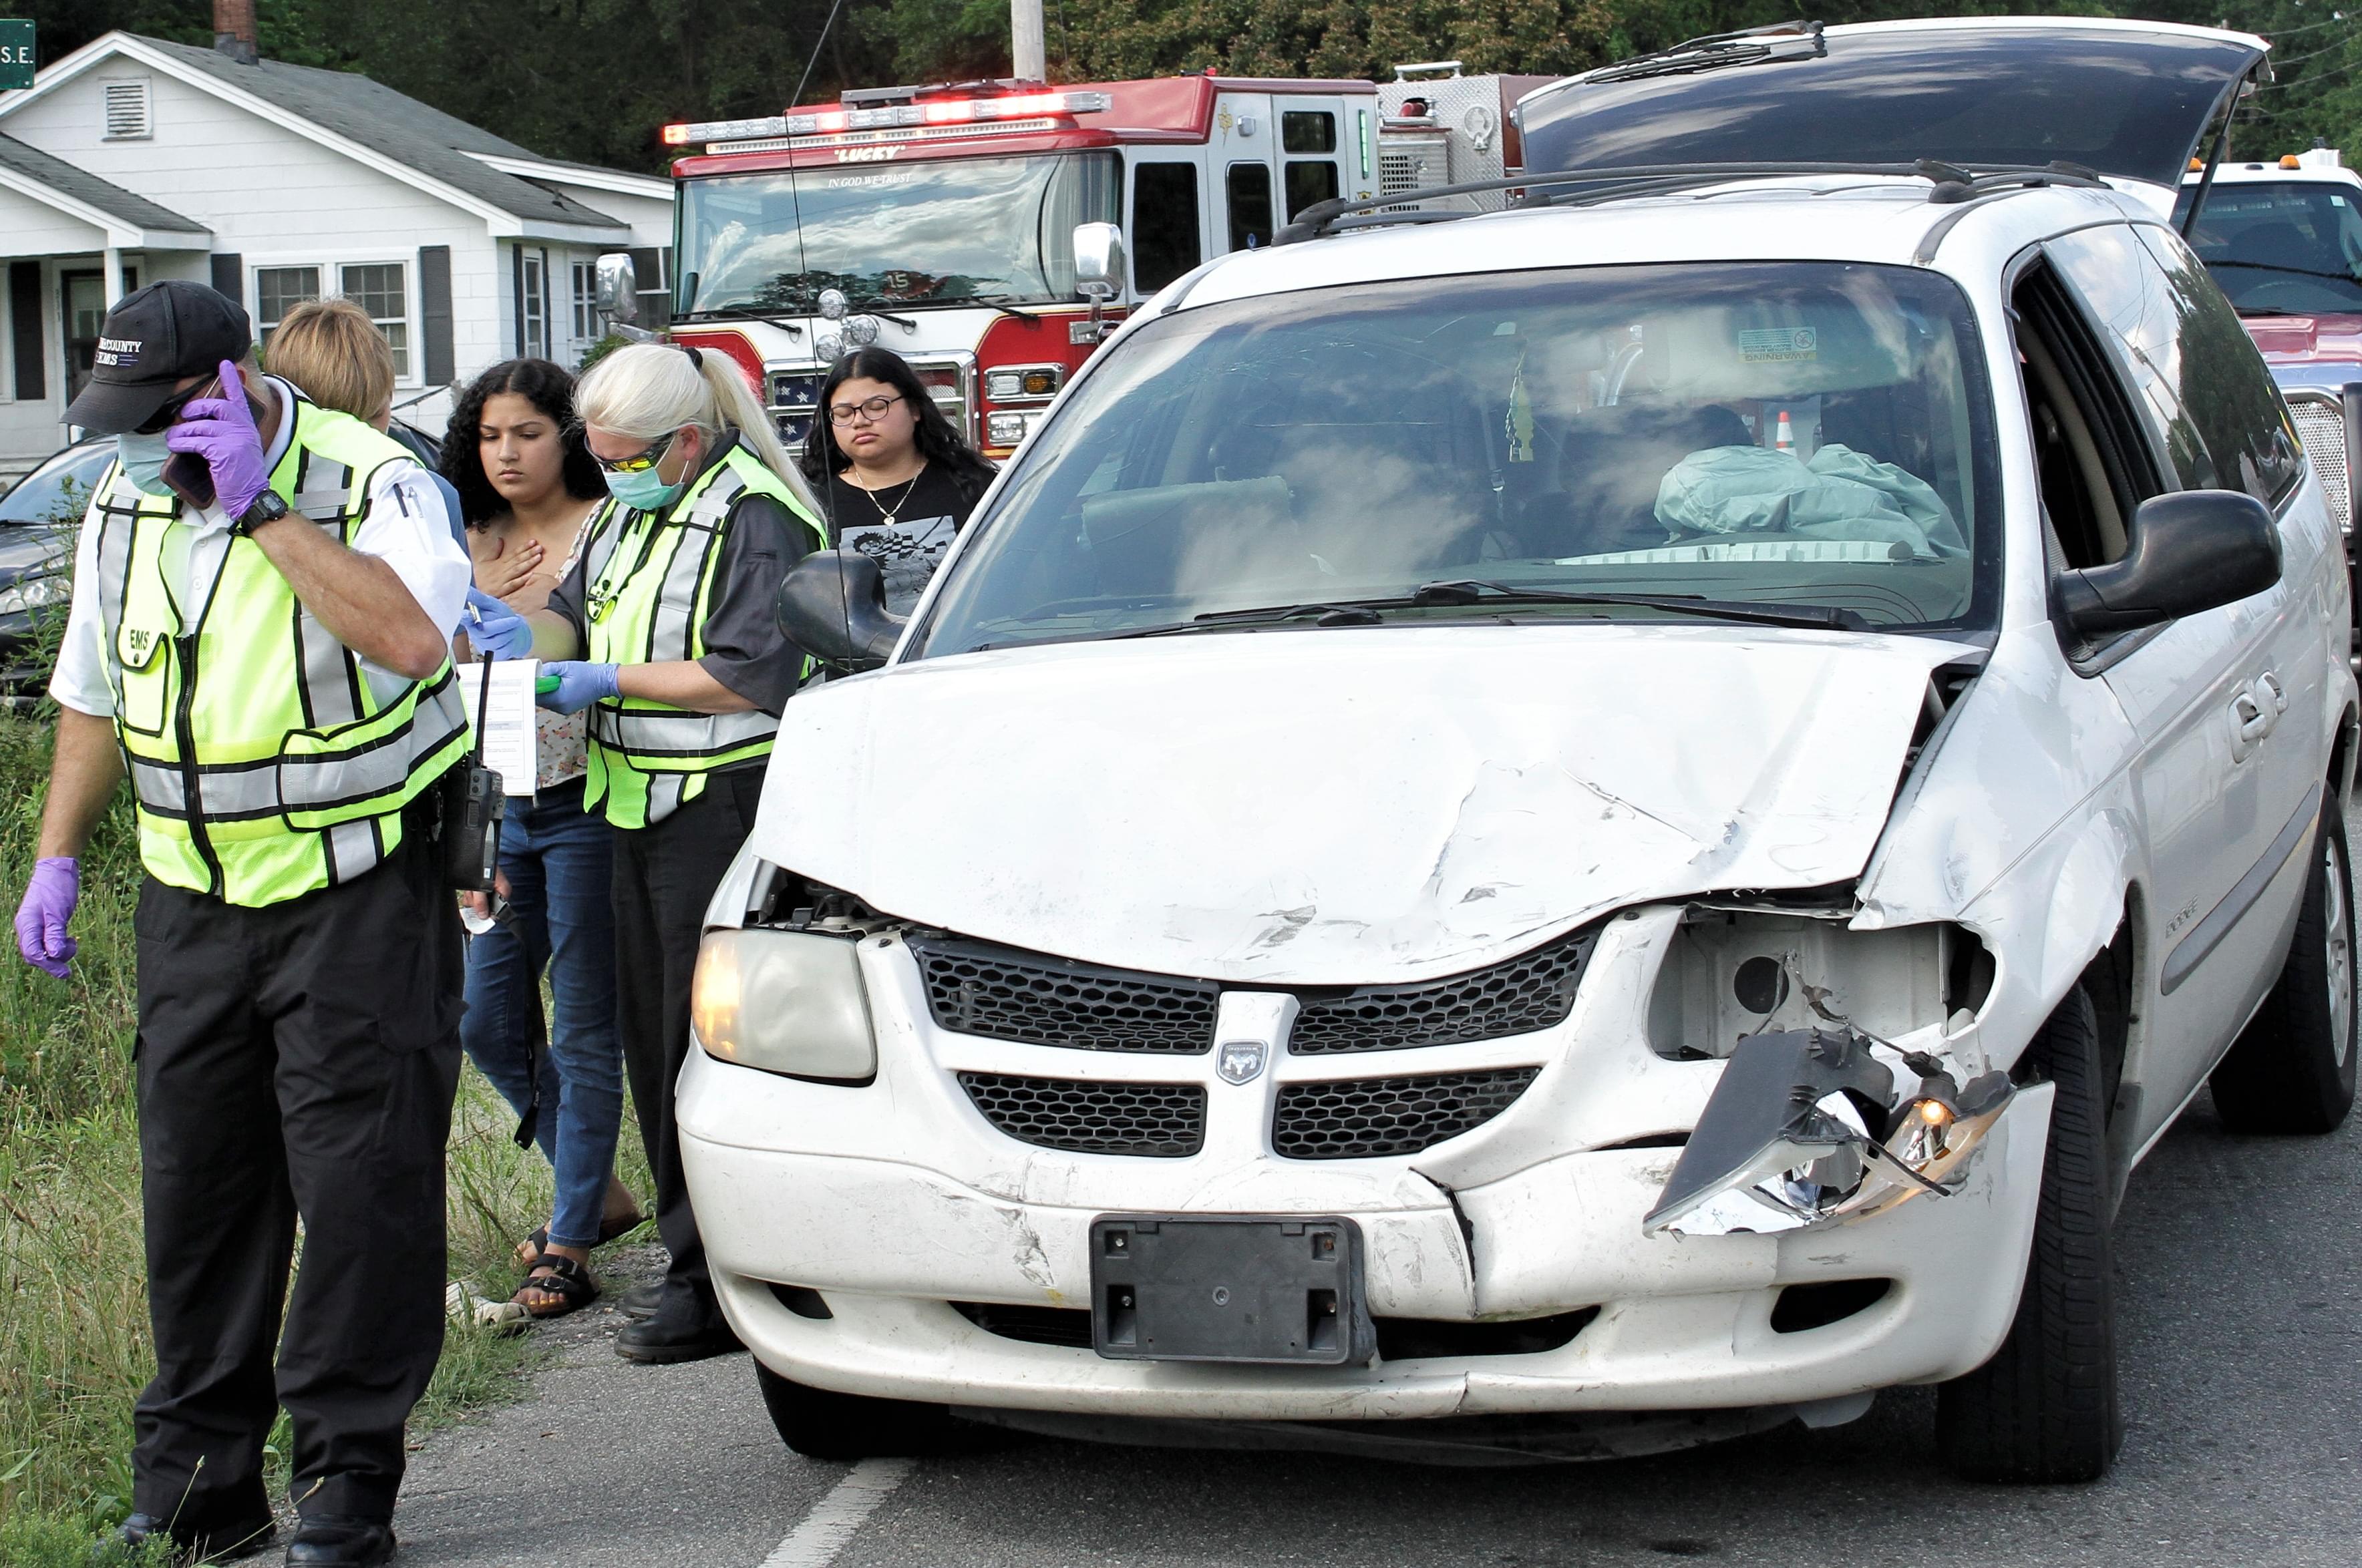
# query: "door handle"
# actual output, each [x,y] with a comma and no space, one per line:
[2251,722]
[2268,684]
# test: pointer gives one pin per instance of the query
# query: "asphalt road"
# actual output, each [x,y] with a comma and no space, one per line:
[2239,1261]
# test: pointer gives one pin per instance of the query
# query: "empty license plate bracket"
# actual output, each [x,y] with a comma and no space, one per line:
[1268,1289]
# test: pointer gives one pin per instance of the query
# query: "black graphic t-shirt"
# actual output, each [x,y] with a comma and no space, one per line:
[909,548]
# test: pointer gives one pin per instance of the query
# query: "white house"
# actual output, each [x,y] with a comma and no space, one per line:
[133,159]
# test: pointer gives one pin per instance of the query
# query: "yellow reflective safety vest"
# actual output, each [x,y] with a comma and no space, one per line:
[264,765]
[652,584]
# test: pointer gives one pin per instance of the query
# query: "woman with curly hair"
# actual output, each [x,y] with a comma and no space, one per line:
[532,499]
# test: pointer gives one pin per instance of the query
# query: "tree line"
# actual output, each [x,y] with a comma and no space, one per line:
[591,80]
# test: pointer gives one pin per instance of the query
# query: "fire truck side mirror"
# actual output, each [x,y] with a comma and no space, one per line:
[618,289]
[833,606]
[1098,261]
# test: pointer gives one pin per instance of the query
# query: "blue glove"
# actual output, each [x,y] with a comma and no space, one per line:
[221,431]
[493,628]
[43,919]
[579,685]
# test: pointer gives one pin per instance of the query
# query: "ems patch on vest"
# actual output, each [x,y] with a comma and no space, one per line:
[138,647]
[119,352]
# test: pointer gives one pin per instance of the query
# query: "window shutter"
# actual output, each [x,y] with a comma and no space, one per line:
[24,329]
[127,110]
[435,313]
[229,275]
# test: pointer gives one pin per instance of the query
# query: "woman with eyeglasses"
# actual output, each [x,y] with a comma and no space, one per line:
[664,631]
[899,481]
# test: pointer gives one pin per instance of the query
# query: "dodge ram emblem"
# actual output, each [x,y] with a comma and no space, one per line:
[1240,1061]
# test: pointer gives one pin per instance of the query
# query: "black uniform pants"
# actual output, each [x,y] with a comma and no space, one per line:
[665,876]
[293,1061]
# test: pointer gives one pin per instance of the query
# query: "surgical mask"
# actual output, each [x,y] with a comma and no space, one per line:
[643,490]
[144,457]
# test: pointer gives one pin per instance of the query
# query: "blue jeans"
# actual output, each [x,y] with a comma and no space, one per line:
[556,860]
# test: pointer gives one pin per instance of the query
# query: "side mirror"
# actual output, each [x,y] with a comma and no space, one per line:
[2191,551]
[1098,261]
[618,288]
[833,606]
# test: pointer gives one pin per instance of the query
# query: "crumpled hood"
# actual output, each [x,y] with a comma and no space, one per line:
[1343,805]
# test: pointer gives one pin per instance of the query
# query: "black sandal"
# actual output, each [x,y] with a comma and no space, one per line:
[567,1280]
[530,1251]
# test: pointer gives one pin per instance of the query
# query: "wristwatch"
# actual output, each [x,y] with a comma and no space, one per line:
[267,507]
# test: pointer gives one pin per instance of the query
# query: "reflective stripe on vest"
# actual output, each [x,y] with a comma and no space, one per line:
[263,763]
[652,584]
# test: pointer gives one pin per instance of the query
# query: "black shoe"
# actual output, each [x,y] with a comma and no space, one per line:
[190,1543]
[669,1337]
[340,1540]
[641,1300]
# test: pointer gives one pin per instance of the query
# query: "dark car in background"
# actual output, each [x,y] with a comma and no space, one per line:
[39,517]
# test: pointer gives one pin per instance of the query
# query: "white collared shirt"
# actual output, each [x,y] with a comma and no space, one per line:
[406,526]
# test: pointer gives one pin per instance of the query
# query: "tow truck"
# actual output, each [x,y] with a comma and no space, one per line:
[992,232]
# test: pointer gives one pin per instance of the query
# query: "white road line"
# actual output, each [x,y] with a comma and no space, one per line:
[815,1542]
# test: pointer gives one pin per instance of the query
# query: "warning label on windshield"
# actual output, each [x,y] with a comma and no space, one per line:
[1780,342]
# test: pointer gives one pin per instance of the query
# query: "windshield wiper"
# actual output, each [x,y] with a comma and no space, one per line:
[1782,40]
[1827,617]
[737,312]
[998,303]
[2300,271]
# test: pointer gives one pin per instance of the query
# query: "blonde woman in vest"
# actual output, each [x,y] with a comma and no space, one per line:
[664,634]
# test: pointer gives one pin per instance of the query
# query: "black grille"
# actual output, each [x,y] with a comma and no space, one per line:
[1528,992]
[1067,1326]
[976,987]
[1164,1120]
[1363,1118]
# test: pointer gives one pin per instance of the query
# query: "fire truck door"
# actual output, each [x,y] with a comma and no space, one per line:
[1320,152]
[1166,221]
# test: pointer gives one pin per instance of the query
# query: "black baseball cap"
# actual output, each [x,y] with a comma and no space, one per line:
[153,337]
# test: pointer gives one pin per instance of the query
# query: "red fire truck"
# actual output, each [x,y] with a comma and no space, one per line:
[940,221]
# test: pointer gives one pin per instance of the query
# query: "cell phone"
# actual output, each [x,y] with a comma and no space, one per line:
[187,472]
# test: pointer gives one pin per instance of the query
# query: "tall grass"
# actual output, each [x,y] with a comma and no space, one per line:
[75,1345]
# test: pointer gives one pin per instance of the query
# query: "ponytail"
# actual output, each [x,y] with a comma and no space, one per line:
[647,390]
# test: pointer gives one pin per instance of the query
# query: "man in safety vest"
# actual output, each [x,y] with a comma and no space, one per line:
[264,598]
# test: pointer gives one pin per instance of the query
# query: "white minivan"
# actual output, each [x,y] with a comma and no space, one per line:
[1568,831]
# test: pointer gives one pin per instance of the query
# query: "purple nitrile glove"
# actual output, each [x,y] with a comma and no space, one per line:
[221,431]
[579,685]
[41,919]
[494,628]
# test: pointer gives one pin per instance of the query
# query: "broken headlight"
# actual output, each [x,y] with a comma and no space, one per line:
[1807,1127]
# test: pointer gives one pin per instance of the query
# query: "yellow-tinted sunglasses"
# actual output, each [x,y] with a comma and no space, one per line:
[640,461]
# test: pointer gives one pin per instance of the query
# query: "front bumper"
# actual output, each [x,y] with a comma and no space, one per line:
[897,1198]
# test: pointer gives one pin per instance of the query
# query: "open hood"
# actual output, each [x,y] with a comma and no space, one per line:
[1343,806]
[2128,99]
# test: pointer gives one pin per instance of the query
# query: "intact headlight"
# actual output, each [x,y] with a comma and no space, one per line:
[32,593]
[784,1002]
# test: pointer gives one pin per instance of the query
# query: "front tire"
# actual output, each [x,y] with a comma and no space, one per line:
[2291,1070]
[820,1423]
[2044,1408]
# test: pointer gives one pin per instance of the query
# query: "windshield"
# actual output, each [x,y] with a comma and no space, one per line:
[2284,246]
[895,234]
[58,491]
[1770,434]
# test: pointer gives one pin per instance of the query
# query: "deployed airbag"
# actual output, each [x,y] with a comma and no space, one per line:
[1837,493]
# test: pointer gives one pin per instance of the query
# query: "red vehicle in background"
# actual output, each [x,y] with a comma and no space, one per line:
[943,222]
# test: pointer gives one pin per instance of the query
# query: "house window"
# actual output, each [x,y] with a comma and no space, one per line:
[125,105]
[279,290]
[585,300]
[533,305]
[378,287]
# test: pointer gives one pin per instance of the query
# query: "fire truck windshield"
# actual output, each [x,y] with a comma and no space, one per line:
[892,233]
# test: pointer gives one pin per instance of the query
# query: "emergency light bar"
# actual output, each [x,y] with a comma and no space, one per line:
[895,117]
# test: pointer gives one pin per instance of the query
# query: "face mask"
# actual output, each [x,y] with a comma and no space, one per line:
[144,457]
[643,490]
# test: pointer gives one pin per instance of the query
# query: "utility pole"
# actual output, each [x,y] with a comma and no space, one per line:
[1028,55]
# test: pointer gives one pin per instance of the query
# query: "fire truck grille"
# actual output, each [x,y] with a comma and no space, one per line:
[2321,426]
[1364,1118]
[1533,990]
[1005,994]
[1159,1121]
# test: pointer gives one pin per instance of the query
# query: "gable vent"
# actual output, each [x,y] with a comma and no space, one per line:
[127,110]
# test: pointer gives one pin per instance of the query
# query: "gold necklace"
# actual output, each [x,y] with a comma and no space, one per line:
[899,505]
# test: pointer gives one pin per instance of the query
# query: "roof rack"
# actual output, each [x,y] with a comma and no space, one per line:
[1948,183]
